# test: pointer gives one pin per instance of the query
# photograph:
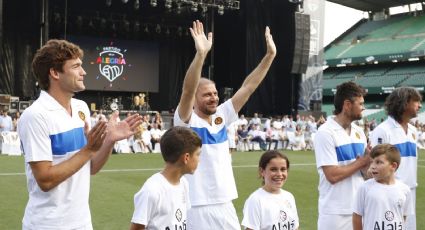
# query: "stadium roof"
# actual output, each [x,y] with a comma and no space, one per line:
[373,5]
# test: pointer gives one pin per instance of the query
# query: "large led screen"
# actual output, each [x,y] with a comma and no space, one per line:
[119,65]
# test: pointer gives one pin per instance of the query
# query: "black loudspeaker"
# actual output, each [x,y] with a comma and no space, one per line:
[226,93]
[23,105]
[302,43]
[315,105]
[14,106]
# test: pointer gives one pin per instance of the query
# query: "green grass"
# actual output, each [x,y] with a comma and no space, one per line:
[112,190]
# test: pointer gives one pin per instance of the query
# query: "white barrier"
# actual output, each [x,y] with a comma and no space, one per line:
[10,143]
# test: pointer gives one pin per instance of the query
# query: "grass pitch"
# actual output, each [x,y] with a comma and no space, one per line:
[112,190]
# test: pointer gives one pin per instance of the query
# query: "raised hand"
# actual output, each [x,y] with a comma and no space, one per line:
[95,136]
[271,47]
[202,43]
[120,130]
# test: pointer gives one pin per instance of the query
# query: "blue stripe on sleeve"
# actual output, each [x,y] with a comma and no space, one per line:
[349,151]
[69,141]
[407,149]
[209,138]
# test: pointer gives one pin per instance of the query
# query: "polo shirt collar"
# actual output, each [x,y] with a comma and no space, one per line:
[49,102]
[393,122]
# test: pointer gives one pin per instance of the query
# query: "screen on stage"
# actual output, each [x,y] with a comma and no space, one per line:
[119,65]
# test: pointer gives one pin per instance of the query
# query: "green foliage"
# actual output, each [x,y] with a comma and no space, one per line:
[112,190]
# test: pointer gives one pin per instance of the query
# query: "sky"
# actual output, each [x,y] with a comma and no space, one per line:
[334,26]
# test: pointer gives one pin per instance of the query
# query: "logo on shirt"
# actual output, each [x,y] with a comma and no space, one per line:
[357,135]
[283,215]
[82,115]
[218,120]
[389,215]
[379,140]
[413,136]
[179,215]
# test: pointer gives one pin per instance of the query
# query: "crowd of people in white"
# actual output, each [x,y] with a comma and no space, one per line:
[281,132]
[255,133]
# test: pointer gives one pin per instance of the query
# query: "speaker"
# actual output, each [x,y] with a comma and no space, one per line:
[23,105]
[302,43]
[226,93]
[14,105]
[315,105]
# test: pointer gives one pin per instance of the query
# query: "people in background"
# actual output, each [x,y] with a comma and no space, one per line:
[6,123]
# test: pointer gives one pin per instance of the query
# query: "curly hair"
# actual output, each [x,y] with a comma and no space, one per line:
[53,54]
[396,102]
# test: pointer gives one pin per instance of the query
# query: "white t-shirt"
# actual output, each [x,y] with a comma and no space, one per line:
[160,205]
[49,133]
[383,206]
[391,132]
[333,146]
[266,211]
[213,181]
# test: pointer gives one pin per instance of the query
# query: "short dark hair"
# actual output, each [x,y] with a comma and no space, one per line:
[346,91]
[53,54]
[390,151]
[396,102]
[268,156]
[177,141]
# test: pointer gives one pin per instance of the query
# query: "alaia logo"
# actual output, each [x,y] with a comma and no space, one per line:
[111,63]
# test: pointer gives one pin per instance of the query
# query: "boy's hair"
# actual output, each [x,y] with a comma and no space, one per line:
[177,141]
[390,151]
[396,102]
[53,54]
[346,91]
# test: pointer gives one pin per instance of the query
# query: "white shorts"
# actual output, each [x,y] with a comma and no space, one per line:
[340,222]
[411,219]
[87,227]
[213,217]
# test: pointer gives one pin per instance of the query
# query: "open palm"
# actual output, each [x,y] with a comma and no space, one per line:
[120,130]
[202,43]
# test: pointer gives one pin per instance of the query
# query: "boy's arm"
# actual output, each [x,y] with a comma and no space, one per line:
[357,222]
[256,76]
[193,74]
[134,226]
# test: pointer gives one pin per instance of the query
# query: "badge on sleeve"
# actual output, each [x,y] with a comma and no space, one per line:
[218,120]
[82,115]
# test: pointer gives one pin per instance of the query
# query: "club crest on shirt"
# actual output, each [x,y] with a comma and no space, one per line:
[179,215]
[357,135]
[413,136]
[389,215]
[283,215]
[218,120]
[82,115]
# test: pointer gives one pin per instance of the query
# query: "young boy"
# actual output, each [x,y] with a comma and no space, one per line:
[163,201]
[382,202]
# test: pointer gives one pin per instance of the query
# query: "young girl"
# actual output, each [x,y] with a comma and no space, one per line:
[271,207]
